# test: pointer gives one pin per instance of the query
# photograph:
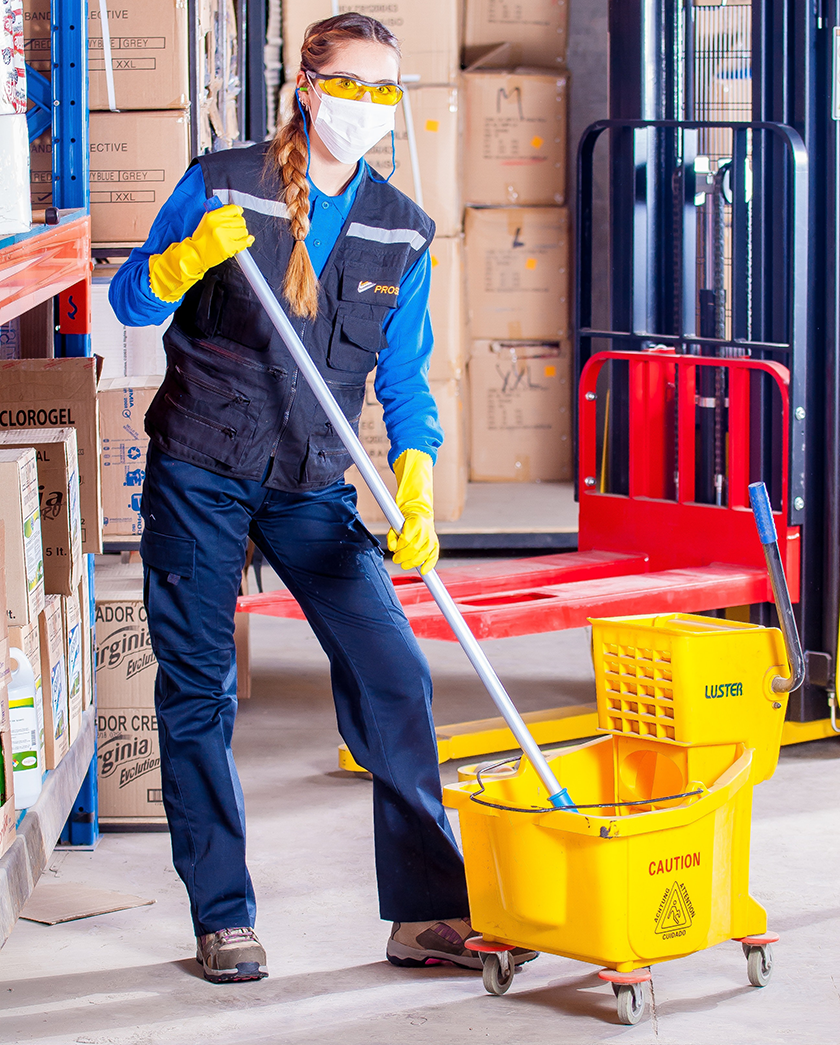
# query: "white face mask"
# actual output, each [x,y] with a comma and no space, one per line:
[349,128]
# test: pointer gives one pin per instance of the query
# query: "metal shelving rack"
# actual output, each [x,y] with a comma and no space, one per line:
[53,261]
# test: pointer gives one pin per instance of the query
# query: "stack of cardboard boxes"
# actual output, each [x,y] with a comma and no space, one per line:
[7,801]
[45,589]
[518,241]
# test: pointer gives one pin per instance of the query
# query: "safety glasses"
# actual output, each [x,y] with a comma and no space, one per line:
[355,90]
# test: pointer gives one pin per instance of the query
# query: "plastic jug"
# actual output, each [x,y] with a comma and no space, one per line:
[28,771]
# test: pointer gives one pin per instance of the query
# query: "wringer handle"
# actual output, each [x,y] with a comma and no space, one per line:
[558,796]
[767,535]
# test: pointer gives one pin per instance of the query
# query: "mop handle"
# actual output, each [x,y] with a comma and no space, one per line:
[558,796]
[778,582]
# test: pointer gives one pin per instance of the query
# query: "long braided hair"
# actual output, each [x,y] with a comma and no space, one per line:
[289,150]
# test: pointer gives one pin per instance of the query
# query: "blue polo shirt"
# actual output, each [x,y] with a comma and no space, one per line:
[401,381]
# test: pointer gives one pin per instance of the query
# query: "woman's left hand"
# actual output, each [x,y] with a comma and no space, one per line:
[418,544]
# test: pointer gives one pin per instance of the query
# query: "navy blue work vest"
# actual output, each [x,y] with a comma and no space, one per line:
[232,398]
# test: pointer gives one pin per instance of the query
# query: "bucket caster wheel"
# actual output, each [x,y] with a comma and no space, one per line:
[759,955]
[497,972]
[630,1002]
[759,965]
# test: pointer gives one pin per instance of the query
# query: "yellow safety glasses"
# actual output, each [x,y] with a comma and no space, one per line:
[354,90]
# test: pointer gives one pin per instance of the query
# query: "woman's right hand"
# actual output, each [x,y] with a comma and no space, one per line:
[220,235]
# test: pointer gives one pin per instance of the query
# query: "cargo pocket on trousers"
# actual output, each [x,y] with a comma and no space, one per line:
[172,594]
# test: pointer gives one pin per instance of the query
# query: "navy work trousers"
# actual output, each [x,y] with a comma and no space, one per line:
[196,525]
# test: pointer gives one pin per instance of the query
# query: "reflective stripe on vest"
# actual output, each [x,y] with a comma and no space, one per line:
[255,203]
[414,239]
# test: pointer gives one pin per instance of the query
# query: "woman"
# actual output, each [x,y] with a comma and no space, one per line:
[239,446]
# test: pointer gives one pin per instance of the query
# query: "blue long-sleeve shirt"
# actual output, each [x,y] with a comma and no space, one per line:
[401,382]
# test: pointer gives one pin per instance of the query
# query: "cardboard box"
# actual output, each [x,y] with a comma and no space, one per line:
[28,639]
[435,184]
[57,393]
[428,32]
[149,52]
[5,668]
[123,404]
[520,412]
[88,642]
[517,265]
[8,815]
[125,351]
[447,308]
[21,518]
[125,664]
[136,160]
[54,682]
[58,494]
[536,31]
[515,140]
[450,475]
[71,615]
[129,764]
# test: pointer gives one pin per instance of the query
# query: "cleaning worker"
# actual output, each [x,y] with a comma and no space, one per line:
[240,447]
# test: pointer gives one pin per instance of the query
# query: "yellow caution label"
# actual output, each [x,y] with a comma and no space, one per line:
[550,371]
[530,263]
[536,141]
[433,126]
[435,261]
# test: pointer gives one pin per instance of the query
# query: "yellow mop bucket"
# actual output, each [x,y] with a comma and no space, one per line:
[653,861]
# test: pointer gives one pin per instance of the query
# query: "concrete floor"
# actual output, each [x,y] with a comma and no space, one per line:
[129,978]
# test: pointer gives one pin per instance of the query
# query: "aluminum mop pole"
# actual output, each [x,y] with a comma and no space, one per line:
[558,796]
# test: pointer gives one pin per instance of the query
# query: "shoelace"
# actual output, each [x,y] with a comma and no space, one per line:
[231,935]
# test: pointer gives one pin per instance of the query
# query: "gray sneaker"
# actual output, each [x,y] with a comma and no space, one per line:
[231,955]
[413,944]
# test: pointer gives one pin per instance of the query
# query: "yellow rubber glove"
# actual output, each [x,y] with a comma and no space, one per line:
[418,544]
[220,234]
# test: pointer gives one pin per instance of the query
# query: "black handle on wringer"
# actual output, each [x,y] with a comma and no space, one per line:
[767,535]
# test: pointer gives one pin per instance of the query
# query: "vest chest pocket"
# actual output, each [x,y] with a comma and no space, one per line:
[354,344]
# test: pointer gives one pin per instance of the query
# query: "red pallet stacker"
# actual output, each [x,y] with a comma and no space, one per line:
[646,552]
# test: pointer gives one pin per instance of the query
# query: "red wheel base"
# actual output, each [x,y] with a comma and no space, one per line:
[757,941]
[637,976]
[478,943]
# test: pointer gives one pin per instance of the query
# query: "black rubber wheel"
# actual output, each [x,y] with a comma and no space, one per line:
[760,965]
[630,1002]
[494,979]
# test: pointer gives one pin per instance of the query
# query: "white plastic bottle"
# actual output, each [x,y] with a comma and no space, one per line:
[28,770]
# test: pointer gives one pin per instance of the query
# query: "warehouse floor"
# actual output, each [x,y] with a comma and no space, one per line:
[129,978]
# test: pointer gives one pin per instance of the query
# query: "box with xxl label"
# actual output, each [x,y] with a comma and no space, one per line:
[515,140]
[54,682]
[72,625]
[59,393]
[58,493]
[123,404]
[149,52]
[520,412]
[129,765]
[428,32]
[536,31]
[21,518]
[517,264]
[28,639]
[450,473]
[136,160]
